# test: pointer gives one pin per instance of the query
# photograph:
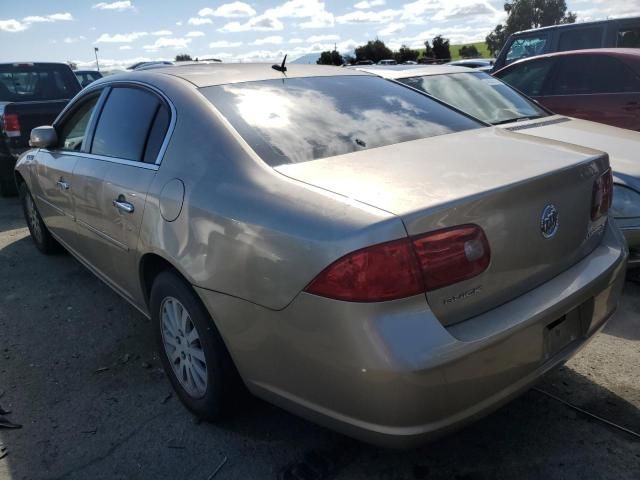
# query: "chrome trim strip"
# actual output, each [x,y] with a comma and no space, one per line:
[51,205]
[103,235]
[167,138]
[104,158]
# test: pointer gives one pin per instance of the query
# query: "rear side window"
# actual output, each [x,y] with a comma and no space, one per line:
[36,82]
[580,38]
[526,47]
[628,37]
[589,74]
[528,77]
[300,119]
[127,124]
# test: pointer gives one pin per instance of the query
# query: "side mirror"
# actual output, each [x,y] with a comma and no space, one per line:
[43,137]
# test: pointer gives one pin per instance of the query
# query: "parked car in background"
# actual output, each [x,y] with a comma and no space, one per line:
[86,77]
[288,229]
[387,62]
[600,85]
[482,64]
[139,65]
[619,32]
[495,102]
[31,94]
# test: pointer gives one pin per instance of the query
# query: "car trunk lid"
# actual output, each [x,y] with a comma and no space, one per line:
[499,180]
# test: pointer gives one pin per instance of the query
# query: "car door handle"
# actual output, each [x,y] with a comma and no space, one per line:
[123,205]
[63,185]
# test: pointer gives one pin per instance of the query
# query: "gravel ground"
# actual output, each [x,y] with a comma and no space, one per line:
[78,371]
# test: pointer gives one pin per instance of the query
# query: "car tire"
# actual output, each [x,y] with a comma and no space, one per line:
[39,232]
[198,365]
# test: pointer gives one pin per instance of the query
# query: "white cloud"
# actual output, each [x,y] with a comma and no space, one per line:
[116,6]
[229,10]
[368,16]
[273,40]
[391,28]
[198,21]
[12,25]
[179,23]
[120,37]
[224,44]
[296,40]
[322,20]
[126,47]
[162,33]
[168,42]
[322,38]
[365,4]
[194,34]
[260,23]
[74,39]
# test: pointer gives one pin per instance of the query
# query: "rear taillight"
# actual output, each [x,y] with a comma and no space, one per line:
[602,195]
[452,255]
[382,272]
[11,124]
[405,267]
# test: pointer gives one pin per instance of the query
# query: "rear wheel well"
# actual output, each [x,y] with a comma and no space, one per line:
[151,265]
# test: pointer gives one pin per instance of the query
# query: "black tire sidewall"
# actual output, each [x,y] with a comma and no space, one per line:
[47,243]
[220,371]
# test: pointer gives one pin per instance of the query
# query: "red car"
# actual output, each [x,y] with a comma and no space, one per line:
[602,85]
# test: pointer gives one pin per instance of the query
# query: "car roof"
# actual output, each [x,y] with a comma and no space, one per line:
[576,25]
[224,73]
[34,63]
[415,71]
[613,52]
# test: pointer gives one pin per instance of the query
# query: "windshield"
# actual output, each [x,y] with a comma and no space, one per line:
[35,82]
[478,94]
[300,119]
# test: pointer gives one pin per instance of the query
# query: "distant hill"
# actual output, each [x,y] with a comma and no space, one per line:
[309,58]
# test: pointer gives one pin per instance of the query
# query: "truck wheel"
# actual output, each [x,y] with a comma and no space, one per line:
[192,351]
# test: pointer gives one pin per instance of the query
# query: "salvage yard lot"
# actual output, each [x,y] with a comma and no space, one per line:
[78,371]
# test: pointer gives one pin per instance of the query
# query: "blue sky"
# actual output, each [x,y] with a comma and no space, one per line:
[126,31]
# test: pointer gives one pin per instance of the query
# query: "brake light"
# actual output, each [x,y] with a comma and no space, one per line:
[11,124]
[405,267]
[602,196]
[386,271]
[452,255]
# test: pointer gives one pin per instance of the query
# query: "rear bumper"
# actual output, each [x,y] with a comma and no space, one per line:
[7,164]
[391,374]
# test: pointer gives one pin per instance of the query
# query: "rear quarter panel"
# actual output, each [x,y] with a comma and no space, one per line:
[243,229]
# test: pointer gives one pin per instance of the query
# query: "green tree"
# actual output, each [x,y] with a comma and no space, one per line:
[183,57]
[406,54]
[374,50]
[428,51]
[441,48]
[468,51]
[330,58]
[349,59]
[526,14]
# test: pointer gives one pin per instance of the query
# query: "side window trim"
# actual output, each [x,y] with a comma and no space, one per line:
[93,121]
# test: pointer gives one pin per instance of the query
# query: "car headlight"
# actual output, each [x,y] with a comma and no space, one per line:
[626,202]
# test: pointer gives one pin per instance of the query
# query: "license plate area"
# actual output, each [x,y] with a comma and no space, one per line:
[562,332]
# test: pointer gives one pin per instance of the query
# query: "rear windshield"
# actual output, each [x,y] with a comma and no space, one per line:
[33,82]
[301,119]
[479,95]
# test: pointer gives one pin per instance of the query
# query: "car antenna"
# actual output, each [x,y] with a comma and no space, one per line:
[281,68]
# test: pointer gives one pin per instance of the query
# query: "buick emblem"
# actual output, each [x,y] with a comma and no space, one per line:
[549,221]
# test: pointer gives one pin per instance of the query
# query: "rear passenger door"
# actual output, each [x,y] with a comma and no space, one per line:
[124,156]
[600,88]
